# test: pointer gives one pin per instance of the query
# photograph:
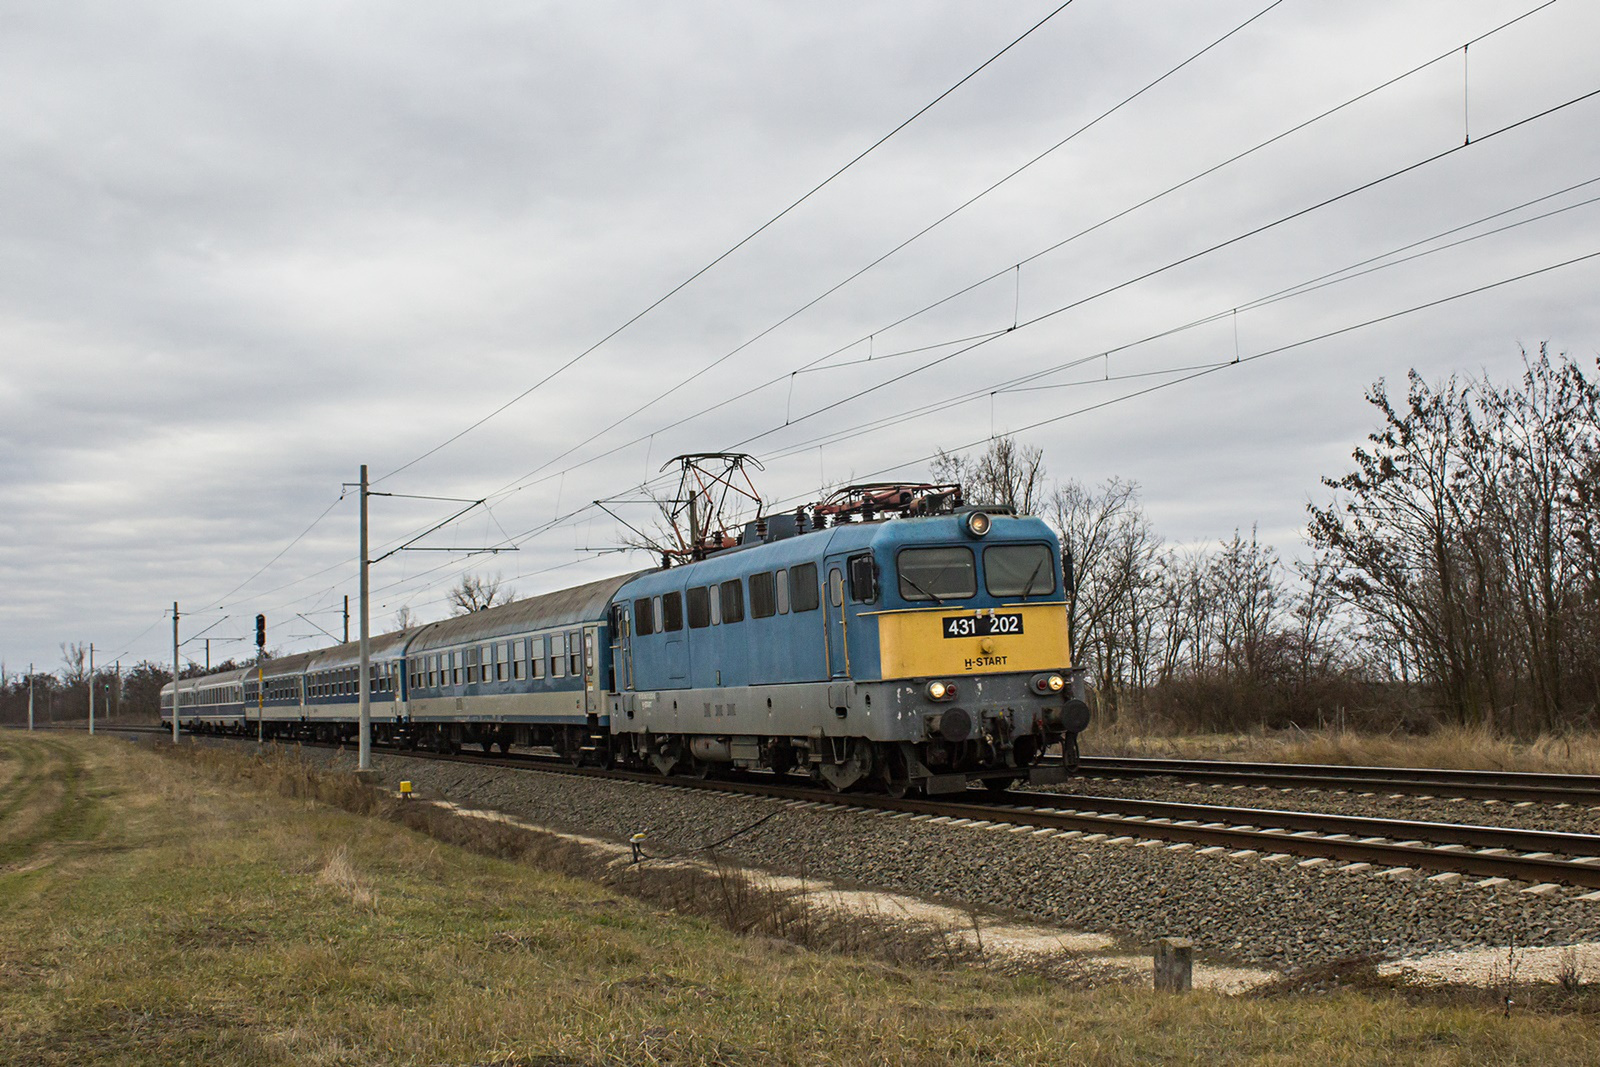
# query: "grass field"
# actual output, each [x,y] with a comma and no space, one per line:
[156,910]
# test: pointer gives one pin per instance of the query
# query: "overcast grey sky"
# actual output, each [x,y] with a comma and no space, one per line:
[245,248]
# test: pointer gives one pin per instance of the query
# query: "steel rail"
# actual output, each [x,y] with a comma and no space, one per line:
[1419,781]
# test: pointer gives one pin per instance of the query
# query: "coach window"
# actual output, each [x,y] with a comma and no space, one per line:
[733,600]
[558,655]
[780,583]
[803,587]
[655,613]
[455,667]
[763,596]
[699,608]
[519,660]
[643,617]
[536,656]
[672,612]
[474,658]
[574,653]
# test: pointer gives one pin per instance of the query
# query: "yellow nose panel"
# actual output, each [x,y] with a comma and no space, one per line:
[913,644]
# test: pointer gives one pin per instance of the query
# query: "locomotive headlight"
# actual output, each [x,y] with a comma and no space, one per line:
[941,691]
[978,524]
[1046,684]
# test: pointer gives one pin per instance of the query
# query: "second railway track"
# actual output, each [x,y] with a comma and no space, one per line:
[1510,786]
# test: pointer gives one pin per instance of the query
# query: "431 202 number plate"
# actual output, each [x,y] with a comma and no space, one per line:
[981,625]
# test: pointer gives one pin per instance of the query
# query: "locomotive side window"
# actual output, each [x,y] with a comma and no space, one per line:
[803,588]
[763,596]
[643,617]
[733,600]
[672,612]
[655,613]
[699,608]
[863,579]
[835,588]
[781,584]
[940,574]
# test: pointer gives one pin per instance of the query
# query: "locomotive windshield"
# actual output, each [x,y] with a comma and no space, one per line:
[1019,570]
[946,573]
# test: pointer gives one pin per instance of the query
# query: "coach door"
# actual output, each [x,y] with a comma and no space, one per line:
[833,608]
[592,698]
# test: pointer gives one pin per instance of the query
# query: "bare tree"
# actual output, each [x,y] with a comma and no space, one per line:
[1112,613]
[1006,473]
[476,592]
[404,618]
[74,664]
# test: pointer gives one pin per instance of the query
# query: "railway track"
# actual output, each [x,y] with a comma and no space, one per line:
[1513,786]
[1400,847]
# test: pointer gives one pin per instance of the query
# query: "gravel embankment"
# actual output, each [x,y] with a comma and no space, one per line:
[1280,915]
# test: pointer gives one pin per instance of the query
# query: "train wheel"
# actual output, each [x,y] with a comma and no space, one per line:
[893,774]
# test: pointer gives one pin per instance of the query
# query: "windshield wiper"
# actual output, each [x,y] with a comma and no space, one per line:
[907,579]
[1029,587]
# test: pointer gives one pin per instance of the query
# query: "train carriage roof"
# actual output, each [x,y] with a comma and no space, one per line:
[566,607]
[380,649]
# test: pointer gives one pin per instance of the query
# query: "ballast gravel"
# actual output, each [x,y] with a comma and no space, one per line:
[1280,915]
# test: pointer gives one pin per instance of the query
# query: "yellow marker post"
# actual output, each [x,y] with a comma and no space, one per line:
[405,790]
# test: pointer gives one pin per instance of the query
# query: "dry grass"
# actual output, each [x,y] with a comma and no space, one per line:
[1450,746]
[206,920]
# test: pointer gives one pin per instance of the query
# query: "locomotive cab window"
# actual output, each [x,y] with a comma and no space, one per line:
[939,574]
[1019,570]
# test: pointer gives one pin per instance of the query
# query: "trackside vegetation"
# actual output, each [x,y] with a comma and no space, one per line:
[162,908]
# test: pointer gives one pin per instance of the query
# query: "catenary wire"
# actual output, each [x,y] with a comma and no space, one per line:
[733,248]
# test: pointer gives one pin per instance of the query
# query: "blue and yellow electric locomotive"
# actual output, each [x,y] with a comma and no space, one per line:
[916,653]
